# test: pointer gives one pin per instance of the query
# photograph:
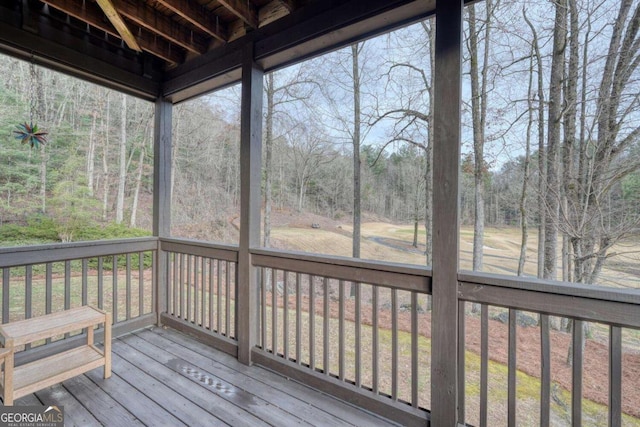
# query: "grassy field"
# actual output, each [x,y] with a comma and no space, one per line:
[392,242]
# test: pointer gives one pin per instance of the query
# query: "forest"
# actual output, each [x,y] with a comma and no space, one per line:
[551,143]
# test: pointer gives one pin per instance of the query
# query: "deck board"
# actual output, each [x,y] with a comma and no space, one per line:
[162,377]
[338,408]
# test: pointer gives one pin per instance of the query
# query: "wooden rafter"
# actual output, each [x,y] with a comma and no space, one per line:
[197,17]
[92,15]
[149,18]
[119,24]
[243,10]
[291,5]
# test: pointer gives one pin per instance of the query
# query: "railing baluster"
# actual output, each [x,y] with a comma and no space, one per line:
[154,289]
[85,284]
[67,285]
[28,294]
[28,291]
[512,366]
[196,289]
[312,324]
[227,298]
[212,273]
[203,299]
[285,312]
[48,291]
[325,331]
[263,297]
[189,284]
[67,288]
[358,329]
[341,350]
[545,374]
[100,283]
[6,275]
[141,283]
[274,311]
[461,356]
[219,300]
[128,288]
[414,349]
[394,344]
[182,308]
[615,376]
[114,279]
[484,363]
[298,320]
[577,362]
[375,347]
[174,283]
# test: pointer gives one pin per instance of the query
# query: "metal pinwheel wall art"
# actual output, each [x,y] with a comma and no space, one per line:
[29,133]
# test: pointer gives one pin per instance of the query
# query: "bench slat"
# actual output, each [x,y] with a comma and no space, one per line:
[54,369]
[37,328]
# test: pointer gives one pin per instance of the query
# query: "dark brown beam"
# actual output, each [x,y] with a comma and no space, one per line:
[114,17]
[149,18]
[196,16]
[59,50]
[243,10]
[291,5]
[272,12]
[92,15]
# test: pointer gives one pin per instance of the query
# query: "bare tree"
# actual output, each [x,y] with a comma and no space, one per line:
[479,29]
[122,175]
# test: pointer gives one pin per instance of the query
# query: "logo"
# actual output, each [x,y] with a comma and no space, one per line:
[32,416]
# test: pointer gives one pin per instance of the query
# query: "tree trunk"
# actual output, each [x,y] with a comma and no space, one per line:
[122,175]
[268,161]
[91,151]
[356,151]
[479,112]
[542,169]
[552,196]
[105,163]
[525,175]
[134,207]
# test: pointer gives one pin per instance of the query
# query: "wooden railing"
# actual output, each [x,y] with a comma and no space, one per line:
[606,309]
[201,290]
[117,276]
[359,330]
[352,328]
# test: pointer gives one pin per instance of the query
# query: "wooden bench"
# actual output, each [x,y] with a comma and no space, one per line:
[18,381]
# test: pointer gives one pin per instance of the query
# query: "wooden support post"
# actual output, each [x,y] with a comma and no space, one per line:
[250,176]
[446,158]
[161,197]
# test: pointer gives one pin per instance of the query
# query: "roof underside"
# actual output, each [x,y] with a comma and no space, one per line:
[180,48]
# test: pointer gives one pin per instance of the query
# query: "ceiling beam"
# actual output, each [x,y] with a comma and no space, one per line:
[291,5]
[92,15]
[58,49]
[115,18]
[147,17]
[197,17]
[243,10]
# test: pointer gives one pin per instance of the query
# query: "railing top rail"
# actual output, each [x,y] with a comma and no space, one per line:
[200,248]
[56,252]
[399,276]
[579,290]
[392,267]
[199,243]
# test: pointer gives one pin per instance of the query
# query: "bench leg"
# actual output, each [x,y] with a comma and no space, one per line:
[8,380]
[107,346]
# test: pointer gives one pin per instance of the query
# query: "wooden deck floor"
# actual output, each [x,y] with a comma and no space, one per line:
[164,378]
